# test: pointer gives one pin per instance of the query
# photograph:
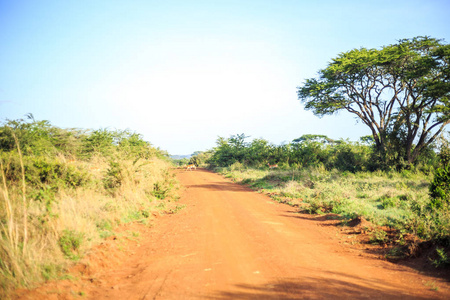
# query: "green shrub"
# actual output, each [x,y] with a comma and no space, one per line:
[70,242]
[98,142]
[440,187]
[160,190]
[42,171]
[52,172]
[38,137]
[442,259]
[378,236]
[114,176]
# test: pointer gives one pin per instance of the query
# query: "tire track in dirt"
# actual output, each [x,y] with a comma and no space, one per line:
[233,243]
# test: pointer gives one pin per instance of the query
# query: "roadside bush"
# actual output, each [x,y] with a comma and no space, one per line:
[346,156]
[88,180]
[440,187]
[160,190]
[43,171]
[442,258]
[99,141]
[114,176]
[38,137]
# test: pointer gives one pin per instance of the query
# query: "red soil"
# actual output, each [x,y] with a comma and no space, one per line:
[232,243]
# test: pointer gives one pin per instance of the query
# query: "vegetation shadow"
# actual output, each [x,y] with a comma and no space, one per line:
[318,288]
[421,262]
[220,187]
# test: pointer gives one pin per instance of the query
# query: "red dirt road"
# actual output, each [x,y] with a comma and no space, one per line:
[232,243]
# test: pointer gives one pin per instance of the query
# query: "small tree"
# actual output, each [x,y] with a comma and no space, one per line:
[229,151]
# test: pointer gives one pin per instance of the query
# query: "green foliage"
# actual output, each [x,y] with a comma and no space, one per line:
[180,162]
[440,187]
[195,160]
[98,142]
[347,156]
[200,158]
[105,228]
[313,138]
[134,146]
[114,176]
[160,190]
[229,151]
[54,180]
[50,271]
[378,236]
[237,166]
[401,92]
[442,259]
[444,151]
[41,171]
[164,188]
[70,242]
[306,151]
[39,137]
[47,171]
[430,222]
[317,206]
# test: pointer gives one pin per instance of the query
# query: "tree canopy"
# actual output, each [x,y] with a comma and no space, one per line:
[401,92]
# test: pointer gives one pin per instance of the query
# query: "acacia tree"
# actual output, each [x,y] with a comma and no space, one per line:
[401,92]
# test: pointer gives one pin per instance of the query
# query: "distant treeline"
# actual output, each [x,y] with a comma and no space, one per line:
[310,151]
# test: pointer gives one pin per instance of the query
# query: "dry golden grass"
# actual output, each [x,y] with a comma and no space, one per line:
[33,232]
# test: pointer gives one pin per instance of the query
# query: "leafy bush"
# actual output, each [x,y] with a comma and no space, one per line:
[39,137]
[98,141]
[442,258]
[378,236]
[160,190]
[43,171]
[114,176]
[440,187]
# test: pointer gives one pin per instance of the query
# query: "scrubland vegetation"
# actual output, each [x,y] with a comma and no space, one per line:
[63,190]
[320,176]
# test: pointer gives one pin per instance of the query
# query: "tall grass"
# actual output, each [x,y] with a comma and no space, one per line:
[56,203]
[396,199]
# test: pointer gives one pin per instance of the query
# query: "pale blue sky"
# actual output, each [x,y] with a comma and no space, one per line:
[184,72]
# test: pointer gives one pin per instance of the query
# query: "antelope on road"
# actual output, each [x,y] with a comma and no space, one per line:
[190,167]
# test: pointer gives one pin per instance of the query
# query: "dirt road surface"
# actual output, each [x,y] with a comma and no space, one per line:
[233,243]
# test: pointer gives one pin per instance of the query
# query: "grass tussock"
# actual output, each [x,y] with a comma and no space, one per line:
[60,195]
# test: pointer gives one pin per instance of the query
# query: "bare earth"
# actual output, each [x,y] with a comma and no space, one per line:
[232,243]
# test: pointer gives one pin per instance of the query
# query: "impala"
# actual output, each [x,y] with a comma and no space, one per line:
[189,167]
[272,166]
